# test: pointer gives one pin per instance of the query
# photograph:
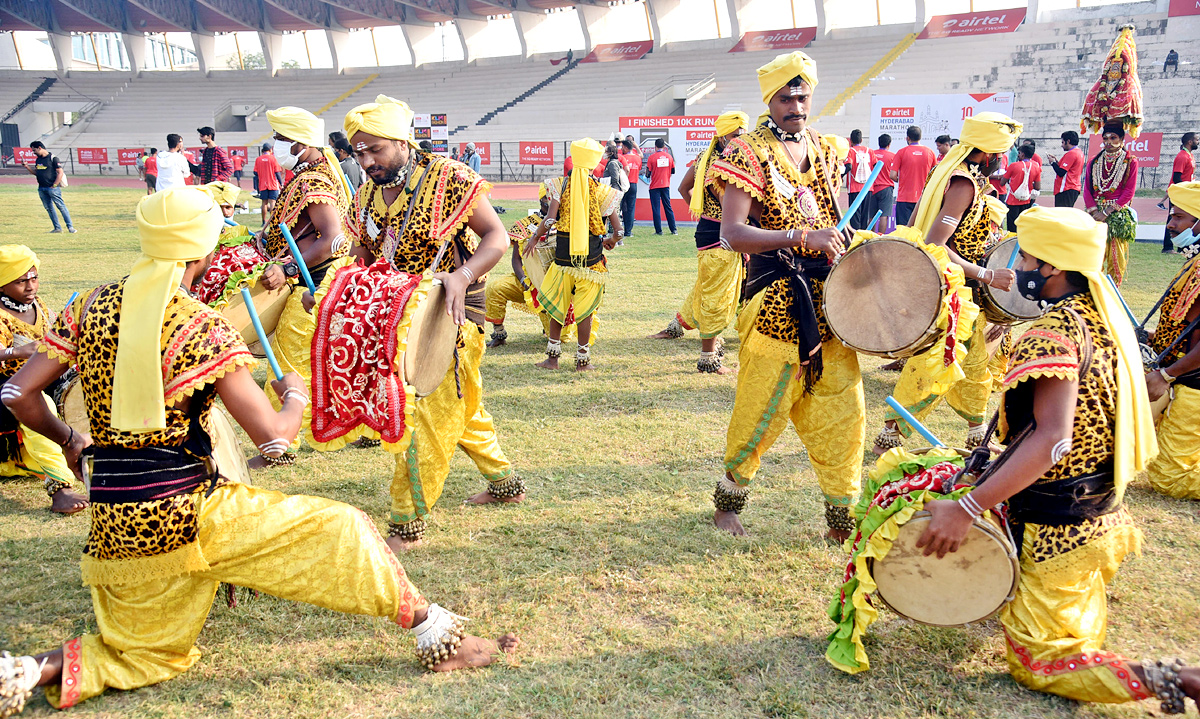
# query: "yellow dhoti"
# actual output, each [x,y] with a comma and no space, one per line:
[1175,472]
[40,458]
[1056,623]
[968,396]
[711,306]
[503,291]
[305,549]
[567,288]
[442,421]
[293,350]
[830,421]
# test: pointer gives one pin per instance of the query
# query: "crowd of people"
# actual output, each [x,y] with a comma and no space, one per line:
[153,354]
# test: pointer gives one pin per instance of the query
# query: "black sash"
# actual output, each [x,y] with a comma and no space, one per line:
[562,250]
[708,233]
[1063,502]
[801,273]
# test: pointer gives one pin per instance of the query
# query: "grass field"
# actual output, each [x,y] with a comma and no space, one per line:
[628,602]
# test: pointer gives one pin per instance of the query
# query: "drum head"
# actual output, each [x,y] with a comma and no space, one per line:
[1007,306]
[431,340]
[74,409]
[883,296]
[268,303]
[967,586]
[533,269]
[227,449]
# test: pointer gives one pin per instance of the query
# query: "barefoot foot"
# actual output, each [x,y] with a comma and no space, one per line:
[663,335]
[838,536]
[548,363]
[730,522]
[585,368]
[722,370]
[487,498]
[68,501]
[496,342]
[893,366]
[475,652]
[398,545]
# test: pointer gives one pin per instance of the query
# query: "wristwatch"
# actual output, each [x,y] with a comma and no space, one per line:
[291,269]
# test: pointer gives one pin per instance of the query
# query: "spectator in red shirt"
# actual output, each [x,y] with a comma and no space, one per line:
[151,170]
[858,164]
[997,178]
[883,190]
[911,169]
[632,160]
[1068,171]
[1182,170]
[238,162]
[943,143]
[660,166]
[1037,159]
[214,163]
[269,176]
[1024,178]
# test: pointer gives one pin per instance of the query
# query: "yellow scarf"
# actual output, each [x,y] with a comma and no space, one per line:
[727,123]
[176,226]
[15,262]
[585,154]
[1070,240]
[1186,196]
[300,125]
[987,131]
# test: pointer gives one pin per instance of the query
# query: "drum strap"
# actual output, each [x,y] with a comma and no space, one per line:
[1063,502]
[768,267]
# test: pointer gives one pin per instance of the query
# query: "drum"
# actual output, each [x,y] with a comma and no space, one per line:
[71,407]
[883,297]
[535,265]
[227,449]
[1005,307]
[432,337]
[268,303]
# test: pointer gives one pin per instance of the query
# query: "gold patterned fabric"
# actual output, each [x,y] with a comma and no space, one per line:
[137,541]
[449,195]
[974,232]
[785,198]
[317,182]
[1051,347]
[603,202]
[12,327]
[1172,317]
[1175,472]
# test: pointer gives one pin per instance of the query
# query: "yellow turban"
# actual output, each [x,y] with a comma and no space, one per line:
[542,191]
[1186,195]
[1071,240]
[728,122]
[997,210]
[223,192]
[585,154]
[176,226]
[300,125]
[782,69]
[15,262]
[991,132]
[386,117]
[840,144]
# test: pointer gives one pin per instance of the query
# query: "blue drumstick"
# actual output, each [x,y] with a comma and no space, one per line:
[262,335]
[71,299]
[230,222]
[878,214]
[1016,252]
[861,197]
[1132,320]
[912,421]
[287,235]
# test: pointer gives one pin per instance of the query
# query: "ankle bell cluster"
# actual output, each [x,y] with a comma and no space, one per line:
[729,497]
[709,362]
[837,518]
[408,531]
[510,486]
[1162,678]
[439,636]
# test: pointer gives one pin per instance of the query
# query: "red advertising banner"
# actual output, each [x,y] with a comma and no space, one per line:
[795,38]
[128,157]
[483,149]
[239,150]
[619,51]
[92,155]
[1147,148]
[23,155]
[537,153]
[1179,8]
[973,23]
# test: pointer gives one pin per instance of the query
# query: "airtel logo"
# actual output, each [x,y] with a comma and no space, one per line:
[975,21]
[536,150]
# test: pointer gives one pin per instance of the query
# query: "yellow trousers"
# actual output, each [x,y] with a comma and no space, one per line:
[293,350]
[40,458]
[968,397]
[1176,470]
[1055,632]
[441,422]
[711,306]
[567,287]
[503,291]
[830,421]
[305,549]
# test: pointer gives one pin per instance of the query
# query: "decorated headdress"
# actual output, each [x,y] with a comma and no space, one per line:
[1116,98]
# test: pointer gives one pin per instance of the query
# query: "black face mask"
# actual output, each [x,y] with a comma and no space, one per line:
[1030,283]
[992,166]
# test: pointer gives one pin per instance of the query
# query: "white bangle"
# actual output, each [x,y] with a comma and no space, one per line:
[790,233]
[970,506]
[467,273]
[298,394]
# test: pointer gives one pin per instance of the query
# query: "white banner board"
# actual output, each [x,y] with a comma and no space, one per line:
[934,114]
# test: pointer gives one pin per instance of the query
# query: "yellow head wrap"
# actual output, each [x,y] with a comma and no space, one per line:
[782,69]
[386,117]
[991,132]
[176,226]
[15,262]
[300,125]
[727,123]
[585,154]
[223,192]
[840,144]
[997,211]
[1186,195]
[542,191]
[1070,240]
